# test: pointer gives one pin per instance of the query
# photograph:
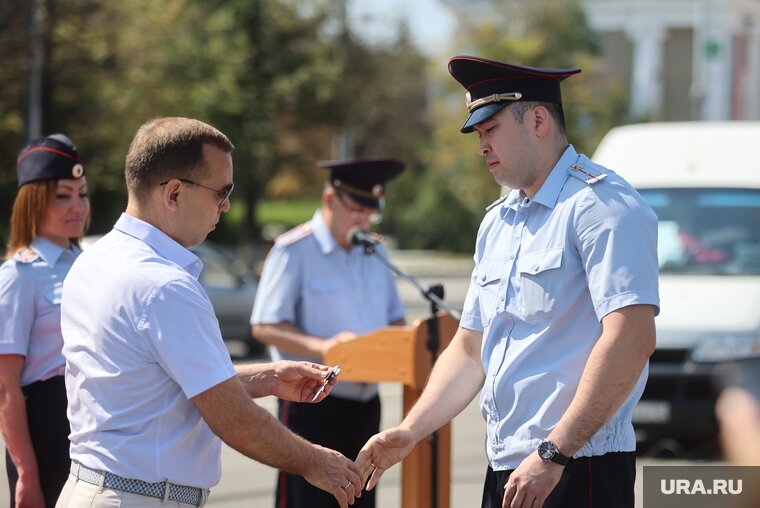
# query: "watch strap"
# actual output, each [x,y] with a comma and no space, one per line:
[560,459]
[554,455]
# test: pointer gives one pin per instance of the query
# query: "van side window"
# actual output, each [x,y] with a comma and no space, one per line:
[707,231]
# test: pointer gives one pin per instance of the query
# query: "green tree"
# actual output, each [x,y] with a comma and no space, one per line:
[261,71]
[13,51]
[283,89]
[387,114]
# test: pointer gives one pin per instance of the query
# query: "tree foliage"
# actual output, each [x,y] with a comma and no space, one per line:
[539,33]
[280,78]
[285,79]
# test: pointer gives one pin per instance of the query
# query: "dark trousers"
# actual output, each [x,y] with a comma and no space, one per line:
[588,482]
[341,424]
[49,430]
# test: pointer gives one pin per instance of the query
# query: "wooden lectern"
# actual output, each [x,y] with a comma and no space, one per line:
[399,354]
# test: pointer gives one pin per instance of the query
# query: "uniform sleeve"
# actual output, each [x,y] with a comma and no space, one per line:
[279,288]
[471,315]
[184,337]
[471,308]
[617,241]
[17,309]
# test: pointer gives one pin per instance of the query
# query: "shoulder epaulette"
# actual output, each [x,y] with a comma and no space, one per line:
[295,234]
[583,173]
[27,255]
[497,202]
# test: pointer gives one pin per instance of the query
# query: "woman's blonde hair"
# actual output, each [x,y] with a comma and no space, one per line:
[29,208]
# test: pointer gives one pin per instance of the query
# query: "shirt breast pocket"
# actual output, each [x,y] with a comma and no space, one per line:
[325,285]
[325,299]
[52,292]
[488,278]
[540,282]
[326,291]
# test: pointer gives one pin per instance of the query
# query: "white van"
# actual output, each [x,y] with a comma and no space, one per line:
[703,181]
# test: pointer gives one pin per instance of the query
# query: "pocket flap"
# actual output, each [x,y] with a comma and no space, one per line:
[52,292]
[539,261]
[488,272]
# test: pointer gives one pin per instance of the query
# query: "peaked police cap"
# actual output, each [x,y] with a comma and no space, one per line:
[363,179]
[493,85]
[53,157]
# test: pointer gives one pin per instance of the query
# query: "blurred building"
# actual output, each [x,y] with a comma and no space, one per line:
[680,59]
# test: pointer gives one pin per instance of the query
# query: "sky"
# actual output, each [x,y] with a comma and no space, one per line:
[430,22]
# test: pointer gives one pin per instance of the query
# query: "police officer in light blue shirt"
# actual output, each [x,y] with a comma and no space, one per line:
[49,215]
[318,289]
[558,322]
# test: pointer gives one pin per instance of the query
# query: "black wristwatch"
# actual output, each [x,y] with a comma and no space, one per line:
[549,451]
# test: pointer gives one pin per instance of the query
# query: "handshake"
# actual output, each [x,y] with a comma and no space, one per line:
[349,479]
[328,469]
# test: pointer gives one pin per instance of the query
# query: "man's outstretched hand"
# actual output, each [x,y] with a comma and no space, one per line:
[382,452]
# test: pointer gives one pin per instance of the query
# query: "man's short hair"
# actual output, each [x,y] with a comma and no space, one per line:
[519,108]
[166,148]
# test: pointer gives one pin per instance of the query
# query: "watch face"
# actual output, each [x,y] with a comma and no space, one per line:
[546,450]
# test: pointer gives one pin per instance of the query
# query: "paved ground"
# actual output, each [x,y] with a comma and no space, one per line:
[248,484]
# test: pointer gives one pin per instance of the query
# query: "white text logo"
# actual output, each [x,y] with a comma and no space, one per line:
[718,487]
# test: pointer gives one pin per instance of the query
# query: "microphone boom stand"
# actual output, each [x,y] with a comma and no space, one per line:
[428,293]
[434,294]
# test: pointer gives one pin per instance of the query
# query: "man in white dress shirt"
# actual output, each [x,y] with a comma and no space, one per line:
[150,383]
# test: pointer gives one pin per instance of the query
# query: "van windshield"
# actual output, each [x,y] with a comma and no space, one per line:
[707,231]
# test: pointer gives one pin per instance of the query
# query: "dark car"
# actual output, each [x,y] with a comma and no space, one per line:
[231,291]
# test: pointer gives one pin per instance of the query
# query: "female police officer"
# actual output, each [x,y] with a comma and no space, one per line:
[49,216]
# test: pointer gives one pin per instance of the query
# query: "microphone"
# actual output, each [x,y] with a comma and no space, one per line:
[357,236]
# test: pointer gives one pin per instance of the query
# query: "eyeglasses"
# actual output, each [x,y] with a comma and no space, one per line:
[222,194]
[373,215]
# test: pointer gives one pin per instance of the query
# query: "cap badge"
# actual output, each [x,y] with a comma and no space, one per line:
[377,190]
[472,105]
[77,170]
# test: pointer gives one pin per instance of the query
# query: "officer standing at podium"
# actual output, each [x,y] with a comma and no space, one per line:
[317,290]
